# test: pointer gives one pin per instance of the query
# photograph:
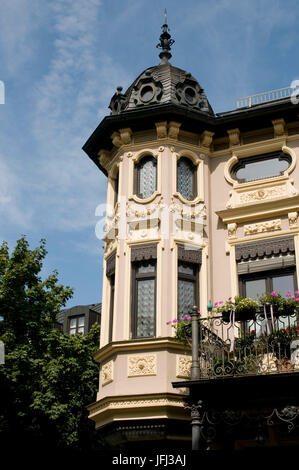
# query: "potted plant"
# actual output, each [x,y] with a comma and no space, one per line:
[280,305]
[244,308]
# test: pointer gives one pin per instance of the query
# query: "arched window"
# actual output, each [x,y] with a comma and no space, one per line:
[186,178]
[146,177]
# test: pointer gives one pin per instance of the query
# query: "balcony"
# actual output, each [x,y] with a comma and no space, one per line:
[261,345]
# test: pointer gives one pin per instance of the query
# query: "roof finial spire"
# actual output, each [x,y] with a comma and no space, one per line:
[165,41]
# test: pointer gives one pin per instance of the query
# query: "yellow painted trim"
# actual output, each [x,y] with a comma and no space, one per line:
[270,208]
[151,406]
[147,344]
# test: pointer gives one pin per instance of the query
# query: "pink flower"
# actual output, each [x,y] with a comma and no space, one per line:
[293,296]
[274,294]
[221,302]
[296,291]
[215,304]
[189,318]
[288,295]
[168,322]
[297,300]
[197,312]
[174,321]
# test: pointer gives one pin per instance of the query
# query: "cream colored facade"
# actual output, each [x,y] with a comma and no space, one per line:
[136,374]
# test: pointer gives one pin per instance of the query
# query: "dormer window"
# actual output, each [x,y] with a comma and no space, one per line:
[146,177]
[261,166]
[186,179]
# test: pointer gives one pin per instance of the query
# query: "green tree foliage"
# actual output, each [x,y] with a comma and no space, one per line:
[48,377]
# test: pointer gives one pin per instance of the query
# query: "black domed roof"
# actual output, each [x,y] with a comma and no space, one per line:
[158,85]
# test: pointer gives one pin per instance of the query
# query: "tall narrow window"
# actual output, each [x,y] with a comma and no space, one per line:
[186,178]
[146,177]
[144,290]
[187,287]
[189,261]
[110,273]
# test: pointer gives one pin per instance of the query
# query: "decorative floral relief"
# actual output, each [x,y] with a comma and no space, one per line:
[183,366]
[107,373]
[240,196]
[261,227]
[260,194]
[139,366]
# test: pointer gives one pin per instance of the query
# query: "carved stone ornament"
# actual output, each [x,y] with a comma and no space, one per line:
[104,157]
[207,138]
[260,227]
[232,230]
[126,135]
[161,129]
[183,366]
[173,130]
[293,219]
[142,365]
[279,127]
[261,192]
[234,137]
[116,140]
[107,373]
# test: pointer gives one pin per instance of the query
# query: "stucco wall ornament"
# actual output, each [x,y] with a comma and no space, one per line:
[232,230]
[260,227]
[207,138]
[142,365]
[234,137]
[262,191]
[183,366]
[107,373]
[279,127]
[293,219]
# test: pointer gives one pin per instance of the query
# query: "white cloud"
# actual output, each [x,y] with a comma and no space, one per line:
[19,20]
[80,81]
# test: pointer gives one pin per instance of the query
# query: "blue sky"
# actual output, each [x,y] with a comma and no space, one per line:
[61,61]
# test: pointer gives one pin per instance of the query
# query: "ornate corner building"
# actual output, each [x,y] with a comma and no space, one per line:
[199,207]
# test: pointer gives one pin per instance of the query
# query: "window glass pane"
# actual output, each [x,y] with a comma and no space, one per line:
[283,283]
[185,170]
[146,268]
[81,320]
[186,296]
[186,269]
[73,322]
[73,331]
[255,288]
[262,169]
[147,177]
[81,330]
[146,308]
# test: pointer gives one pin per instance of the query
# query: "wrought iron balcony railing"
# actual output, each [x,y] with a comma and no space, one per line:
[258,346]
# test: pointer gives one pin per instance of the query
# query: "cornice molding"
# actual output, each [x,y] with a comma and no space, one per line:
[111,349]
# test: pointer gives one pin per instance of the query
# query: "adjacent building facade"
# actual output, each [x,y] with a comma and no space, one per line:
[200,207]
